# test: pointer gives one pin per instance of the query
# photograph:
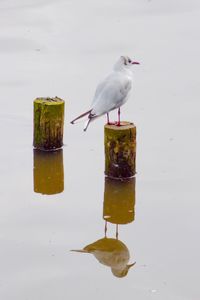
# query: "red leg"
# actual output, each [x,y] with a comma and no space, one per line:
[108,121]
[105,229]
[117,231]
[118,123]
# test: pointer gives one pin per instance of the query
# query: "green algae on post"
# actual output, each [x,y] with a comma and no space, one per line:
[120,150]
[48,123]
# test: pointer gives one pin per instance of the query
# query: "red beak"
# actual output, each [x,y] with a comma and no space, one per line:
[135,63]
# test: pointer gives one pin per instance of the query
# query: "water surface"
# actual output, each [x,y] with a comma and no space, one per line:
[63,49]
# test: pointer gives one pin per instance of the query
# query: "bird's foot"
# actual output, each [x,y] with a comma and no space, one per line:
[111,123]
[117,123]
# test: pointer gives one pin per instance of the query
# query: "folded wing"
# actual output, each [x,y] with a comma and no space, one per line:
[111,94]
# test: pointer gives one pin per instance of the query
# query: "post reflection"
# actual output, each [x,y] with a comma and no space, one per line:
[48,172]
[118,209]
[119,201]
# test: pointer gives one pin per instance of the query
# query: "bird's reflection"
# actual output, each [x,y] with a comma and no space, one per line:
[48,172]
[119,202]
[112,253]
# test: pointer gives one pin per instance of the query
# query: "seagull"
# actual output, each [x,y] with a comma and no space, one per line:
[111,93]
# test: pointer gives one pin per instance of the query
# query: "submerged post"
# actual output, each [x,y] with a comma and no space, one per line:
[48,123]
[120,150]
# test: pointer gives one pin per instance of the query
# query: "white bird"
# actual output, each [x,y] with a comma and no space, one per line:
[112,92]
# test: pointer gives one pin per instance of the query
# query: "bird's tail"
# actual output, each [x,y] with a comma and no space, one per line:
[87,124]
[80,251]
[91,117]
[81,116]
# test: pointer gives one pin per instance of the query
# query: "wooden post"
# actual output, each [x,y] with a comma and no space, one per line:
[119,201]
[48,172]
[48,123]
[120,150]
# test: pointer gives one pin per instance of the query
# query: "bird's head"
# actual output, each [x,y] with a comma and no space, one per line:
[125,62]
[122,272]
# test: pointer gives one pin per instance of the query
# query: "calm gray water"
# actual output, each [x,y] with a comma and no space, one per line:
[63,49]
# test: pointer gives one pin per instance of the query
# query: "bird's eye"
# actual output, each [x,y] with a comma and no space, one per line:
[129,61]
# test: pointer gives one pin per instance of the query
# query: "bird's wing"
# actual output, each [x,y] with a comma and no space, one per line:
[111,94]
[99,90]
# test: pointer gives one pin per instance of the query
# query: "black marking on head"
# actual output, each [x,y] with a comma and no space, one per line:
[126,60]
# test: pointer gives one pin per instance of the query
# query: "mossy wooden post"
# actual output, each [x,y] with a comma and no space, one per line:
[48,123]
[120,150]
